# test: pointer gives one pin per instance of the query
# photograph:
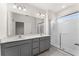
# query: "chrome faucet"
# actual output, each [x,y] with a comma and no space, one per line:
[20,35]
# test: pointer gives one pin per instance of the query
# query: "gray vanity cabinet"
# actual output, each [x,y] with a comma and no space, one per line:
[26,47]
[12,51]
[20,48]
[26,50]
[44,43]
[35,46]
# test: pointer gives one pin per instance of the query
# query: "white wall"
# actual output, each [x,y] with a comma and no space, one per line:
[53,29]
[3,20]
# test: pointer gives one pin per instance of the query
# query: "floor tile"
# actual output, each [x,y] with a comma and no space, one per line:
[53,51]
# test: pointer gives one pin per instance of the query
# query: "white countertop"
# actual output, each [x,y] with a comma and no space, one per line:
[24,37]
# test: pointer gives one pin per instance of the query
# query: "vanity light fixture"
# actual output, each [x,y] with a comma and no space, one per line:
[42,15]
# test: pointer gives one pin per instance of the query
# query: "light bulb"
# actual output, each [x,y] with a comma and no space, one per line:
[19,8]
[42,15]
[24,9]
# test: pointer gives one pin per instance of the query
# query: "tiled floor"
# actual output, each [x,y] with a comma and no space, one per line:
[53,51]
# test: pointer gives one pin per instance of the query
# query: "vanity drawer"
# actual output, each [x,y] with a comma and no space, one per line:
[10,44]
[36,40]
[36,43]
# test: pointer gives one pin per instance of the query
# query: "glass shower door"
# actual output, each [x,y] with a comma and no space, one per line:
[69,29]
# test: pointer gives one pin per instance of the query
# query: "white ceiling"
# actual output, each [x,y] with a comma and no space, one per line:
[54,7]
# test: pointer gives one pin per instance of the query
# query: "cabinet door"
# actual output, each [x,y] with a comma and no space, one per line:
[12,51]
[25,49]
[47,44]
[44,44]
[36,43]
[35,51]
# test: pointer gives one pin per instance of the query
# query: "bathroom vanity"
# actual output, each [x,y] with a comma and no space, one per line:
[25,46]
[22,33]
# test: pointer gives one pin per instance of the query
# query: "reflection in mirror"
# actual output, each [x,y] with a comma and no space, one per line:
[25,25]
[40,27]
[19,27]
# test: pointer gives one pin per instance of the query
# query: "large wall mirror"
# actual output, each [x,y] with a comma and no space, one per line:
[19,24]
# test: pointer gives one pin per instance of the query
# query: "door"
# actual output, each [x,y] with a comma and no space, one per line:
[44,43]
[12,51]
[25,49]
